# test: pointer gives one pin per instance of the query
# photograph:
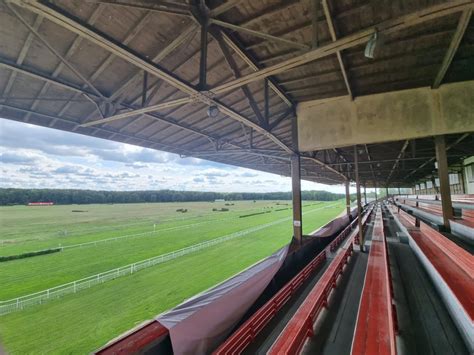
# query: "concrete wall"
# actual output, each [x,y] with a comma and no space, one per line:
[392,116]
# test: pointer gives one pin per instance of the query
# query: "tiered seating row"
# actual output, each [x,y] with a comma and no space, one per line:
[462,227]
[376,321]
[433,205]
[451,268]
[300,327]
[247,332]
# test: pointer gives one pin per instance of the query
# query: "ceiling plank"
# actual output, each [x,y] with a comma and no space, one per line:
[358,38]
[453,47]
[70,23]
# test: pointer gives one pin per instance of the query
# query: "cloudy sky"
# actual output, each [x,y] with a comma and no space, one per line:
[37,157]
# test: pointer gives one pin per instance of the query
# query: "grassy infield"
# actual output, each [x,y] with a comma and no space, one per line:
[81,322]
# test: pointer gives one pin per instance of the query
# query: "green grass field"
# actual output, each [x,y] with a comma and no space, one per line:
[81,322]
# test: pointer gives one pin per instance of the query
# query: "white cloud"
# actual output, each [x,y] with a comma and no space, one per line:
[37,157]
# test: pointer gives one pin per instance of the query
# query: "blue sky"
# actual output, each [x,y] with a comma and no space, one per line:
[39,157]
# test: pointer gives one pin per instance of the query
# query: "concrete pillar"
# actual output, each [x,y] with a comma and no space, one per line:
[399,191]
[443,175]
[296,188]
[365,194]
[359,204]
[348,198]
[375,184]
[386,191]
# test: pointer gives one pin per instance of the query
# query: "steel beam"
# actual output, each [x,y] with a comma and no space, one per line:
[359,38]
[55,52]
[359,203]
[348,198]
[257,34]
[68,22]
[252,63]
[333,32]
[453,46]
[404,147]
[23,52]
[443,174]
[169,9]
[236,71]
[431,159]
[203,59]
[296,199]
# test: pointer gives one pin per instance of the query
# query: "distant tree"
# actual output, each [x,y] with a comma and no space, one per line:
[68,196]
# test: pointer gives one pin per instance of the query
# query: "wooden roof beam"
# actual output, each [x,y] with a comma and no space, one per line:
[453,47]
[235,69]
[333,32]
[155,6]
[358,38]
[430,160]
[70,23]
[259,34]
[404,147]
[370,160]
[252,63]
[23,52]
[55,52]
[82,91]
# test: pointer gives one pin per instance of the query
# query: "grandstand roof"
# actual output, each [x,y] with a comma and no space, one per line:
[132,71]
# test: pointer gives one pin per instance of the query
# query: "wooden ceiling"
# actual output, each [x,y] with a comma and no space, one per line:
[147,72]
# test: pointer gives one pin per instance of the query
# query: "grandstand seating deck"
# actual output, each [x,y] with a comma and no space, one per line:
[258,333]
[425,325]
[453,263]
[376,321]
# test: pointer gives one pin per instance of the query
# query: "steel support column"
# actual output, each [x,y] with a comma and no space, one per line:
[440,145]
[386,191]
[359,205]
[348,198]
[296,188]
[365,194]
[203,59]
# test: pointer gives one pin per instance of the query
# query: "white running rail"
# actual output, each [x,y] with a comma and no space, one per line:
[40,297]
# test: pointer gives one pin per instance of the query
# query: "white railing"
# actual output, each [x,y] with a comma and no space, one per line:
[40,297]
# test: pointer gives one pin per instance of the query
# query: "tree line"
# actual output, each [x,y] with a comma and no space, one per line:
[10,196]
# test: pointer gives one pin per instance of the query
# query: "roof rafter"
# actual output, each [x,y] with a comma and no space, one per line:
[258,34]
[404,147]
[167,8]
[68,22]
[235,69]
[453,46]
[333,32]
[358,38]
[23,52]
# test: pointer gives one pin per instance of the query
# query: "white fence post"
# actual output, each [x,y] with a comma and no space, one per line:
[133,267]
